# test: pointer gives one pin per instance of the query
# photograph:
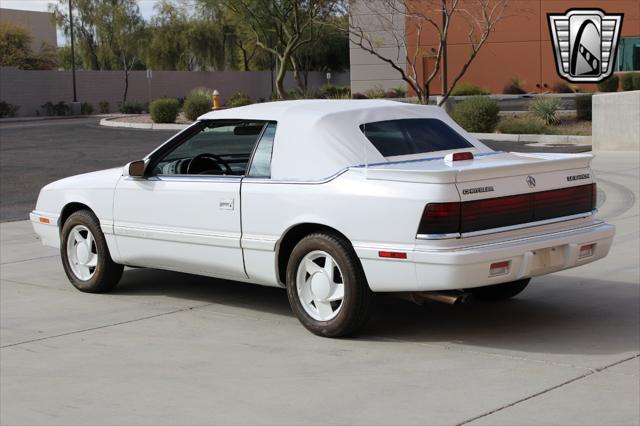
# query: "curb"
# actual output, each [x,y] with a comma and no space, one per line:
[109,122]
[542,139]
[42,118]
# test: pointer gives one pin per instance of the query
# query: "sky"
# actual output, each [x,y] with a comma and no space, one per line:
[146,8]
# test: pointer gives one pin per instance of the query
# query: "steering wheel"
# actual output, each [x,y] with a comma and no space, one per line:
[205,163]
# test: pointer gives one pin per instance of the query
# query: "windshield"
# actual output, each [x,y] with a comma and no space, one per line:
[412,136]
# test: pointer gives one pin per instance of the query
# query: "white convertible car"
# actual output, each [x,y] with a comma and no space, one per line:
[333,200]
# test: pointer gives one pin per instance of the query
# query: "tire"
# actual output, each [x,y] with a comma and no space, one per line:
[500,291]
[350,313]
[87,261]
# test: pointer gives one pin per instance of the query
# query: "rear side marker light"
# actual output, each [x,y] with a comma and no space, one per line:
[44,220]
[499,268]
[392,254]
[586,251]
[459,156]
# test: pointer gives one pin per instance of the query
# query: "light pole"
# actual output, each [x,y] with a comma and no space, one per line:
[73,56]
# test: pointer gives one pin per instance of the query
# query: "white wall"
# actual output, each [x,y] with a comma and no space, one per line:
[616,121]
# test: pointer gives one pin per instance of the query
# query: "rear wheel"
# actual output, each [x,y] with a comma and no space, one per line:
[85,255]
[500,291]
[326,286]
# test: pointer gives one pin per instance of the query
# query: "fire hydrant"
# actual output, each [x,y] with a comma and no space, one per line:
[215,97]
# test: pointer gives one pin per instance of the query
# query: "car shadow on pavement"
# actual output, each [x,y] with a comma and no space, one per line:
[555,314]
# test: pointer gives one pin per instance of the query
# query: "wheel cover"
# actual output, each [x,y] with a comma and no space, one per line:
[320,285]
[82,253]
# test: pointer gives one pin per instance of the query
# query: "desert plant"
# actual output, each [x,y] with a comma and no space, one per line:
[546,108]
[198,102]
[635,79]
[103,107]
[524,126]
[376,92]
[477,114]
[359,96]
[610,84]
[86,108]
[238,99]
[514,87]
[468,89]
[8,110]
[132,108]
[583,107]
[331,91]
[561,87]
[400,91]
[164,110]
[630,81]
[59,109]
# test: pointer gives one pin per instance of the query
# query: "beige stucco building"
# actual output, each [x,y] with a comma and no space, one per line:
[39,24]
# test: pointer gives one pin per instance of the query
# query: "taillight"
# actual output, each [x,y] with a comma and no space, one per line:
[594,196]
[478,215]
[440,218]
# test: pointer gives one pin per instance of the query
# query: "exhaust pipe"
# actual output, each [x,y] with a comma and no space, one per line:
[449,297]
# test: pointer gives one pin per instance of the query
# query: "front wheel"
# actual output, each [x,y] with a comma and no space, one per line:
[326,286]
[500,291]
[85,255]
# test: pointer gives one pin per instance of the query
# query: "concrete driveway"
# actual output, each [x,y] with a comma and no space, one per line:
[169,348]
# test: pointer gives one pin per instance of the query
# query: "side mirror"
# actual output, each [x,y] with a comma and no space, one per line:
[135,168]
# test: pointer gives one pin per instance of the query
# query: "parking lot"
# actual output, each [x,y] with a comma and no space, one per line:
[170,348]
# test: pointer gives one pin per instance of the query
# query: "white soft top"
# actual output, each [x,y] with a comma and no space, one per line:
[315,139]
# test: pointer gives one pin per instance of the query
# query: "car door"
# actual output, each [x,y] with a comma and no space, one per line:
[184,214]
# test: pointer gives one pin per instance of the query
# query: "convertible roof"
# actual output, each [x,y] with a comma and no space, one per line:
[315,139]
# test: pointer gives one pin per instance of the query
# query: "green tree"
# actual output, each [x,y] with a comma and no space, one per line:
[282,27]
[15,50]
[64,58]
[110,34]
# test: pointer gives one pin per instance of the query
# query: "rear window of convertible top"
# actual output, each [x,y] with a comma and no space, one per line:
[412,136]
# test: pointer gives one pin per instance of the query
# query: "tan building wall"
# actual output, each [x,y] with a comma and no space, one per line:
[38,23]
[31,89]
[520,45]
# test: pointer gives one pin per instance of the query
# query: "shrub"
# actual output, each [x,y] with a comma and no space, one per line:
[132,108]
[390,94]
[59,109]
[514,87]
[238,99]
[198,102]
[468,89]
[359,96]
[609,85]
[630,81]
[583,107]
[561,87]
[375,92]
[545,108]
[477,114]
[524,126]
[86,108]
[103,107]
[400,91]
[164,110]
[8,110]
[331,91]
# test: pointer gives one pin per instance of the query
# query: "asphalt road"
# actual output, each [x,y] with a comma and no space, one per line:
[33,154]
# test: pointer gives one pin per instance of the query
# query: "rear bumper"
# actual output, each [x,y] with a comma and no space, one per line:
[468,267]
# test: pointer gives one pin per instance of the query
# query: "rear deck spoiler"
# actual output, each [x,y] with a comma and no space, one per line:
[496,165]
